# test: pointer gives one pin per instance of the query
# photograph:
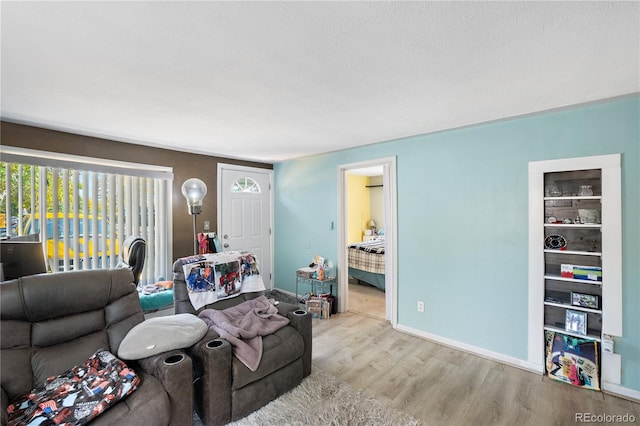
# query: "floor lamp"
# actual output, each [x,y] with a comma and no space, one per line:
[194,191]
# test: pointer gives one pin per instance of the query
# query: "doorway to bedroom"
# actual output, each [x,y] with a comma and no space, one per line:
[366,228]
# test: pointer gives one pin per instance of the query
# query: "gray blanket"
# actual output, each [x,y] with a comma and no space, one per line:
[244,325]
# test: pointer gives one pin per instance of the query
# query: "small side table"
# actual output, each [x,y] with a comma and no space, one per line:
[317,286]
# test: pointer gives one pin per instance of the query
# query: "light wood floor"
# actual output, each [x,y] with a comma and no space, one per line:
[444,386]
[367,300]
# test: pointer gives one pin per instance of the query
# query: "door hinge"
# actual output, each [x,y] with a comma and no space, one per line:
[269,231]
[269,186]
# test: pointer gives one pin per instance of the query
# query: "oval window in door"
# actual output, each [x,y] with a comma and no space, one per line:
[246,184]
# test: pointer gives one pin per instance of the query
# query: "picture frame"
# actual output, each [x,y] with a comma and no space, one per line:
[584,300]
[576,322]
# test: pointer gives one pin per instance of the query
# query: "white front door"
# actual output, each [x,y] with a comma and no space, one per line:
[244,213]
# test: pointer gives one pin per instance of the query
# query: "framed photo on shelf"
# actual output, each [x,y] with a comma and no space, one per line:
[584,300]
[576,322]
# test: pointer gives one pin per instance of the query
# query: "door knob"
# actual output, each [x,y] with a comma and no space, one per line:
[225,236]
[225,245]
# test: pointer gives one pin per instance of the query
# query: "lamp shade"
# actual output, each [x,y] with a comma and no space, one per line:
[194,191]
[372,223]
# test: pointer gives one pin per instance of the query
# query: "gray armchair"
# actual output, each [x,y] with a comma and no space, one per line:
[225,389]
[52,322]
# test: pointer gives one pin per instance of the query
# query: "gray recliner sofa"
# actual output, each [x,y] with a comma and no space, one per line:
[53,322]
[225,389]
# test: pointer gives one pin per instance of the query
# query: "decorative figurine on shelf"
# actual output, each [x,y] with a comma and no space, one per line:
[585,191]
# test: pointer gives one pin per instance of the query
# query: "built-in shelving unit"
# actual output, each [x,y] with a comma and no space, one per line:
[575,270]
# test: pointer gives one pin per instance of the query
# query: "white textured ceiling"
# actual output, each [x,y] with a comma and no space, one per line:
[276,80]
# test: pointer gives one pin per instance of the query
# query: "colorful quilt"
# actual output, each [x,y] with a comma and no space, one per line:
[76,396]
[215,276]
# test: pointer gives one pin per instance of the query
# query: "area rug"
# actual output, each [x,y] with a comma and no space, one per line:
[280,296]
[323,400]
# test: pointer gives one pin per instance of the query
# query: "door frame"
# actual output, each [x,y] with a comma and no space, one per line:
[390,197]
[248,169]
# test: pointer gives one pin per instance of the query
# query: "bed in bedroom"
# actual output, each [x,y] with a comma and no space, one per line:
[366,262]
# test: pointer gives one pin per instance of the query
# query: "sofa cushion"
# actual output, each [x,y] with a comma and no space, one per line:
[149,406]
[53,360]
[78,395]
[162,334]
[278,350]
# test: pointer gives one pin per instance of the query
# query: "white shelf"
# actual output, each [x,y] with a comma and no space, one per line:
[571,280]
[581,253]
[576,197]
[572,307]
[570,333]
[573,225]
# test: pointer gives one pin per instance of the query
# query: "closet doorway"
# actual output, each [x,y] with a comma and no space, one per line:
[367,238]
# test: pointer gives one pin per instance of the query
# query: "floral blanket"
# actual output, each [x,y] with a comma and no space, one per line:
[76,396]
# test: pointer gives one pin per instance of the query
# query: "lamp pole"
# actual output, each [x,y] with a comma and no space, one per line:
[195,235]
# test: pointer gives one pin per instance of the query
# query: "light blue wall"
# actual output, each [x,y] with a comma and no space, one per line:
[462,220]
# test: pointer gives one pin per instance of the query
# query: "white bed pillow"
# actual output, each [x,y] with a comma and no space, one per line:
[162,334]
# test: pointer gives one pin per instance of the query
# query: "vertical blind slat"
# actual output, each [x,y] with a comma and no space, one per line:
[93,229]
[42,211]
[151,272]
[102,218]
[113,259]
[65,223]
[76,220]
[20,200]
[86,259]
[44,220]
[33,194]
[7,200]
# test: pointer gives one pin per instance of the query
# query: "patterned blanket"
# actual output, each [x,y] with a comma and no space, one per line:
[215,276]
[76,396]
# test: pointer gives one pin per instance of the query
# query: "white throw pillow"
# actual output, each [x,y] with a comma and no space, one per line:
[162,334]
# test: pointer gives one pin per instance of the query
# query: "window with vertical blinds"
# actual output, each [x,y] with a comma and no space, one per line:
[83,209]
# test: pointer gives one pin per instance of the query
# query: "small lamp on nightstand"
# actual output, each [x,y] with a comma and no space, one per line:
[372,226]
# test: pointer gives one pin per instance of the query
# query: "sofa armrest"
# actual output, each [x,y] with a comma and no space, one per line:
[285,308]
[5,403]
[212,357]
[301,321]
[174,370]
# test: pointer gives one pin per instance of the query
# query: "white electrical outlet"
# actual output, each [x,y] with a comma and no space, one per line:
[420,306]
[207,225]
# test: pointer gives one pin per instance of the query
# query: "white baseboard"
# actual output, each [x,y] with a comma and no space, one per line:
[609,388]
[621,391]
[475,350]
